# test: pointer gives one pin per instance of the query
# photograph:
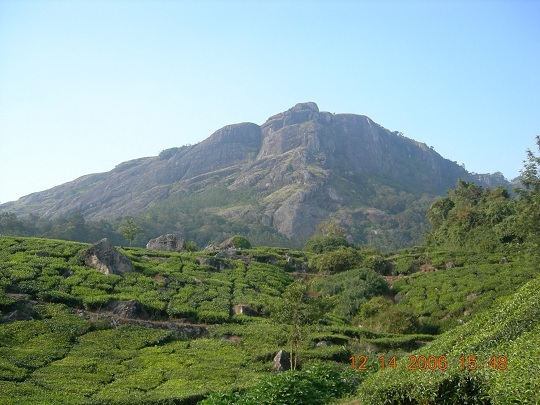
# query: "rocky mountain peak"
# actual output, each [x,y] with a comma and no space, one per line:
[299,114]
[301,167]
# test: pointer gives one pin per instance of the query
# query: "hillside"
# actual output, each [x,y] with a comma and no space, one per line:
[272,182]
[487,360]
[173,329]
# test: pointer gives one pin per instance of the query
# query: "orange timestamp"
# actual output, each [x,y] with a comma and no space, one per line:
[420,362]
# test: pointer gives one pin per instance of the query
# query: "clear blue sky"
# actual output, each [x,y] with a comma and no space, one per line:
[85,85]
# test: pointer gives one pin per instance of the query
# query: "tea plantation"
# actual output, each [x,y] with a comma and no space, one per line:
[62,343]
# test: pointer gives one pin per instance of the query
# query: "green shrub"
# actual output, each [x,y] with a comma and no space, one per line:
[213,317]
[317,384]
[381,315]
[351,288]
[60,297]
[240,242]
[177,309]
[335,261]
[377,263]
[321,244]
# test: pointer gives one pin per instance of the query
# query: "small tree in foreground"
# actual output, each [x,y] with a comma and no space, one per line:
[299,311]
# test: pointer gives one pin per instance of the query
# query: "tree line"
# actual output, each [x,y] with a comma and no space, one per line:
[74,227]
[473,218]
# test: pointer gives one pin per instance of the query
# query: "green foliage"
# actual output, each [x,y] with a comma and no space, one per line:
[317,384]
[59,357]
[351,288]
[529,200]
[74,227]
[29,345]
[444,298]
[298,310]
[171,283]
[240,242]
[511,330]
[129,229]
[321,244]
[330,228]
[373,260]
[380,315]
[336,261]
[475,219]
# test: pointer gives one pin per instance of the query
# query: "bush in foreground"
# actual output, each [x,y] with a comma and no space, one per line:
[318,384]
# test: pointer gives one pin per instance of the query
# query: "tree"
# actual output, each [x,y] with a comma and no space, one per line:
[11,225]
[321,244]
[379,314]
[330,228]
[76,228]
[341,259]
[240,242]
[297,310]
[529,199]
[129,229]
[474,219]
[438,212]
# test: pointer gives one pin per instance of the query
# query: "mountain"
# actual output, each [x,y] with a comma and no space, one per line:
[276,181]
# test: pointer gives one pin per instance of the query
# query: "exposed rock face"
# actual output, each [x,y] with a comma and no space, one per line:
[104,257]
[131,309]
[281,361]
[304,166]
[169,242]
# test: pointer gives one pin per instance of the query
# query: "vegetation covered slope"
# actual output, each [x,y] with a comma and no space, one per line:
[68,347]
[491,359]
[62,342]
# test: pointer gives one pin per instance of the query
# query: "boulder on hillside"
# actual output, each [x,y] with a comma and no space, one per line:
[169,243]
[219,265]
[131,309]
[281,361]
[104,257]
[229,253]
[240,309]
